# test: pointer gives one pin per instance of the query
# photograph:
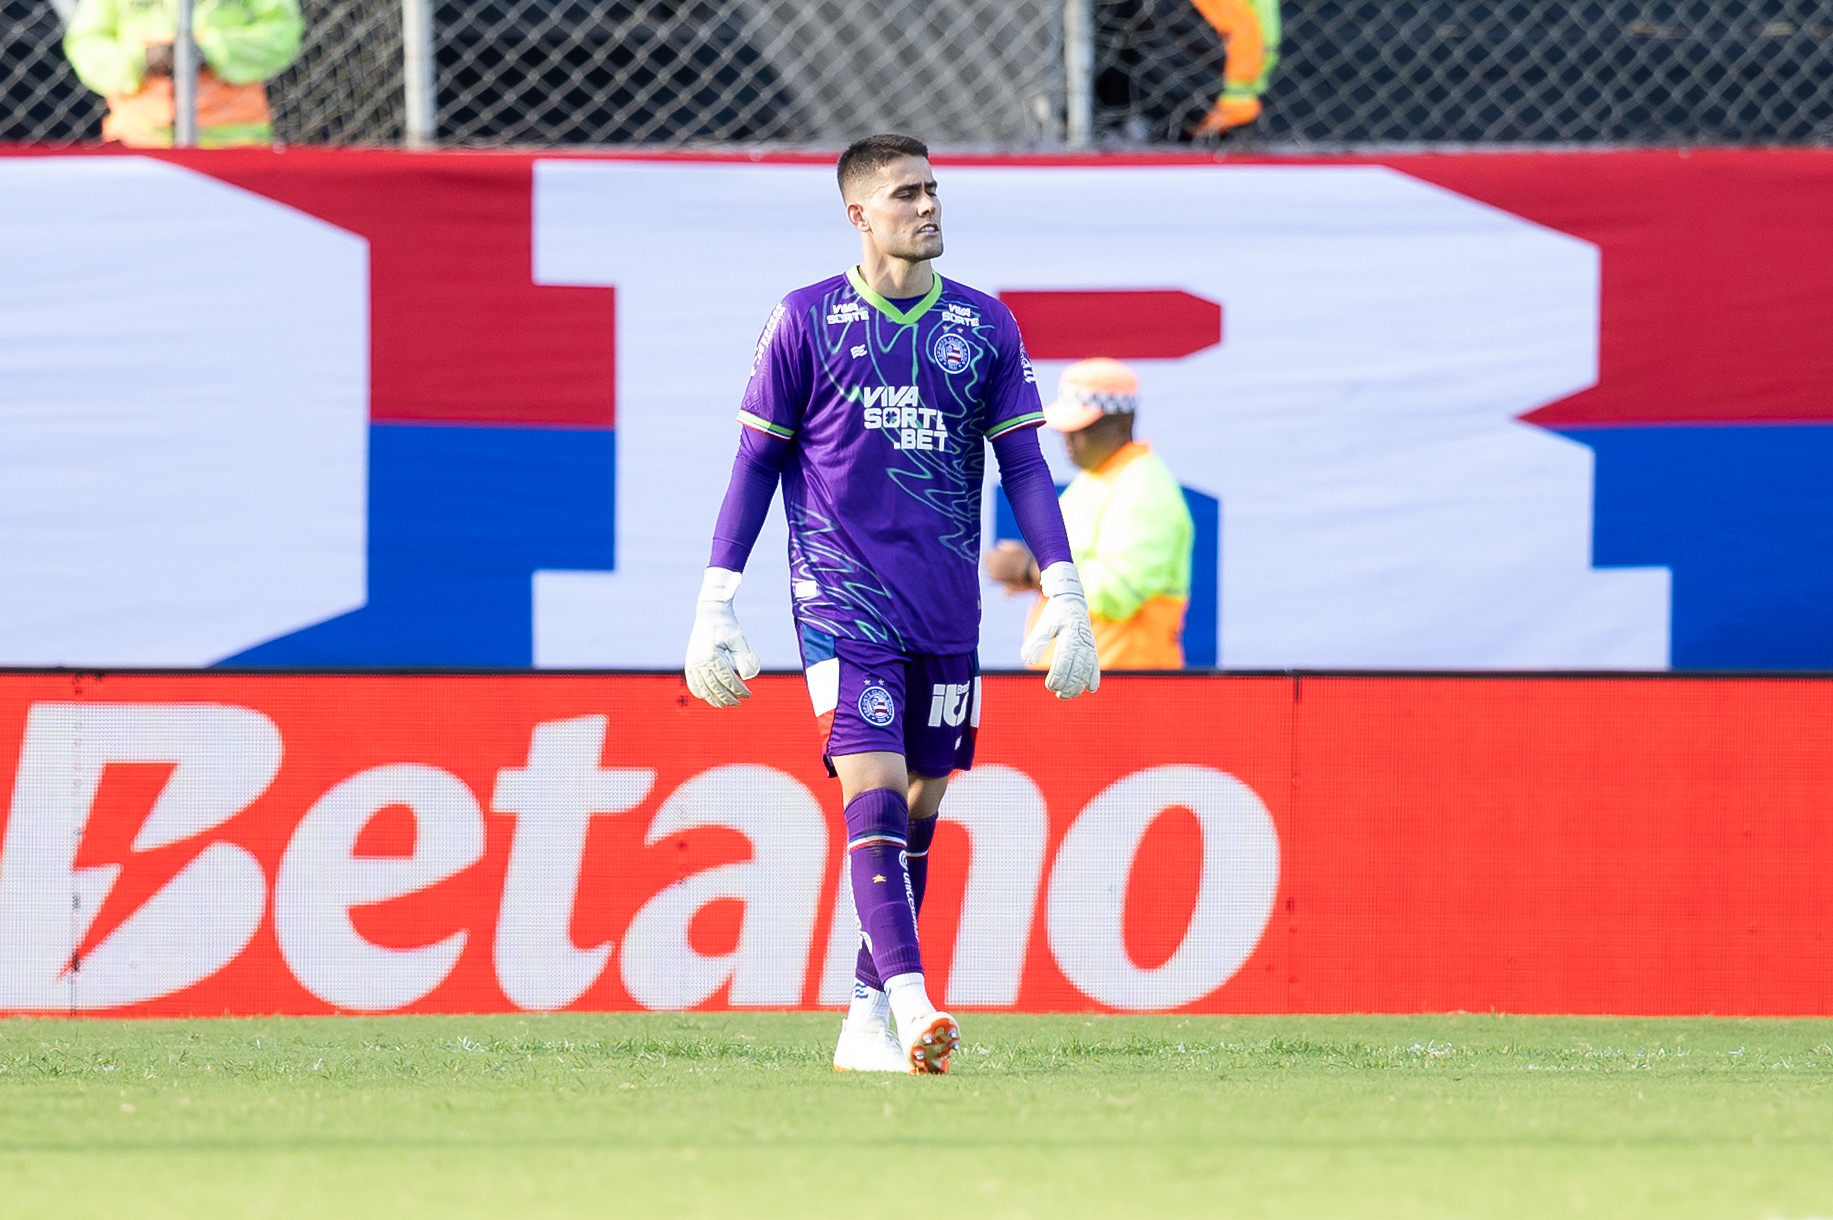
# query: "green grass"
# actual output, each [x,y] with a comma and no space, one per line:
[740,1116]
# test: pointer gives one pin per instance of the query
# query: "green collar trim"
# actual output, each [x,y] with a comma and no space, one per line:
[900,316]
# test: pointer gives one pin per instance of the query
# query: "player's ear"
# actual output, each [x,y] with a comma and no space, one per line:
[856,216]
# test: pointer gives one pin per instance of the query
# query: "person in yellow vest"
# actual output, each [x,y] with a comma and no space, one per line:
[1251,30]
[1129,526]
[122,49]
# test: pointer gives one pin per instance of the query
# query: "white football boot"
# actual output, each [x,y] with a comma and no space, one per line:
[928,1043]
[868,1046]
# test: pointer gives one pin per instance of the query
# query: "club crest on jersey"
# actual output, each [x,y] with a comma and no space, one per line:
[952,352]
[875,706]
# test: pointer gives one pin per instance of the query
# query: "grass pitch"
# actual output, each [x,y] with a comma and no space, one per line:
[740,1116]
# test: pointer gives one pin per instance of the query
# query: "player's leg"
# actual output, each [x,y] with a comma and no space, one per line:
[938,741]
[866,1043]
[938,726]
[874,786]
[865,751]
[868,1020]
[926,792]
[925,801]
[876,829]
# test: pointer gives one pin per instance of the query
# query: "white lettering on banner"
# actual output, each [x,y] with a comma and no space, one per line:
[223,758]
[208,913]
[780,887]
[320,880]
[1004,816]
[180,521]
[553,799]
[1088,886]
[1386,324]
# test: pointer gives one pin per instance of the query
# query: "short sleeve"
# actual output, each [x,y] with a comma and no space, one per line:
[778,391]
[1012,400]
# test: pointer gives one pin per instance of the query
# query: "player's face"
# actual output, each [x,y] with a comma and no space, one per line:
[901,212]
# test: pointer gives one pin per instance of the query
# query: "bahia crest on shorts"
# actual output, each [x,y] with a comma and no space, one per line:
[869,697]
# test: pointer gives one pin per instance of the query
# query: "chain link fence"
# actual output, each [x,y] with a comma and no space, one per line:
[1358,72]
[990,73]
[43,100]
[779,71]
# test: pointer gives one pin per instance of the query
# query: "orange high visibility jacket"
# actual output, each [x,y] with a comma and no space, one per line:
[1130,534]
[1251,29]
[244,42]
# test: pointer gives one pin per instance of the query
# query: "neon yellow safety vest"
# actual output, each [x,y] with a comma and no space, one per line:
[244,42]
[1130,534]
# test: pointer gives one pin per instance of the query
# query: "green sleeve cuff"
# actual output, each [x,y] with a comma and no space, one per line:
[763,425]
[1021,421]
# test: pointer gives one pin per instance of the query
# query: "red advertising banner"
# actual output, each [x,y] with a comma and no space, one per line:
[227,843]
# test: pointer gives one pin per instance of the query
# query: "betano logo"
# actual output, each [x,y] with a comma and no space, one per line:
[272,889]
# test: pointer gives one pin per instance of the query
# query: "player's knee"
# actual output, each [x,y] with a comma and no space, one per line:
[877,813]
[862,773]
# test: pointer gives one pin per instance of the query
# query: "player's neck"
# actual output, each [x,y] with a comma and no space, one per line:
[895,278]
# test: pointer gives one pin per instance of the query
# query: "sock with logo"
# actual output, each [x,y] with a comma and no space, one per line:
[871,1006]
[877,824]
[916,863]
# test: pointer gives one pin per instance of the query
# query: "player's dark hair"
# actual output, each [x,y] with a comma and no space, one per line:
[866,157]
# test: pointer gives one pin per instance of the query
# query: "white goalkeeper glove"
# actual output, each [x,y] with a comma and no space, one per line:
[1064,619]
[718,656]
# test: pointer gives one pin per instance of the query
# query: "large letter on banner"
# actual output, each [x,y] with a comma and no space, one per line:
[780,887]
[322,878]
[1383,506]
[184,379]
[1088,886]
[222,758]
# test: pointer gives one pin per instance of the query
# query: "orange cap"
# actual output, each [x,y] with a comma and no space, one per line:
[1090,389]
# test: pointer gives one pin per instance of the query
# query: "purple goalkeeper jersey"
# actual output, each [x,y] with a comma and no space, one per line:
[888,411]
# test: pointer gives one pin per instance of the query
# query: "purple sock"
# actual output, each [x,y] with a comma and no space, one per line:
[916,862]
[916,856]
[877,824]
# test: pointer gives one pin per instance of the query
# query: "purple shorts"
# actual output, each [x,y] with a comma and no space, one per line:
[868,697]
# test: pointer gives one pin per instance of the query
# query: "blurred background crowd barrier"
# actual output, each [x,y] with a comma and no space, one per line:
[1006,73]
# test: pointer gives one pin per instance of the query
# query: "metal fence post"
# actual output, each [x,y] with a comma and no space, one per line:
[1078,72]
[417,69]
[184,80]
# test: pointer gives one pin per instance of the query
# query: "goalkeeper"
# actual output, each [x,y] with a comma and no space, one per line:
[872,398]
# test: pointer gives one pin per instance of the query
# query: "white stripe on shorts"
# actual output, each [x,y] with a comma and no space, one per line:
[824,685]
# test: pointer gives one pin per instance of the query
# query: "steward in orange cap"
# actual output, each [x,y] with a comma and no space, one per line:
[1129,526]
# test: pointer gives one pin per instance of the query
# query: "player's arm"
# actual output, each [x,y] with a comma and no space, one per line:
[719,658]
[1064,619]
